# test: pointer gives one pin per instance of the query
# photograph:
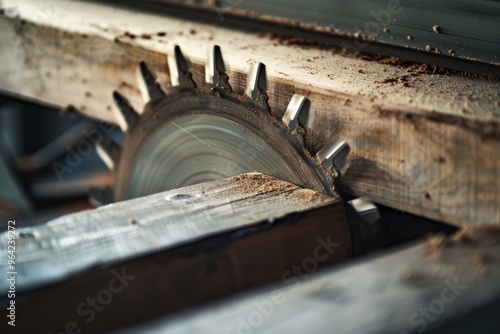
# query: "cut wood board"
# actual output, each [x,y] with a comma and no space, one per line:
[182,248]
[421,142]
[433,285]
[73,243]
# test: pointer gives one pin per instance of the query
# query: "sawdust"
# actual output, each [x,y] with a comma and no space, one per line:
[70,110]
[435,245]
[129,35]
[308,195]
[403,80]
[413,68]
[391,61]
[481,234]
[258,183]
[413,71]
[427,69]
[472,235]
[261,183]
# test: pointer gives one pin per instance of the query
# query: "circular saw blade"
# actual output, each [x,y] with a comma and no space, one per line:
[202,148]
[196,134]
[187,139]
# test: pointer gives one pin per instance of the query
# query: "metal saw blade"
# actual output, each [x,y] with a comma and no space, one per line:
[203,148]
[196,133]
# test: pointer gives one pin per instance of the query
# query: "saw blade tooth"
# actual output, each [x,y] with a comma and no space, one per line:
[215,66]
[257,81]
[108,151]
[179,70]
[335,154]
[215,71]
[297,112]
[150,88]
[128,113]
[181,61]
[366,210]
[99,197]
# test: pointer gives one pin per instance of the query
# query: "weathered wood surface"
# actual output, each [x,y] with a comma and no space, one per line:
[422,142]
[433,285]
[73,243]
[178,248]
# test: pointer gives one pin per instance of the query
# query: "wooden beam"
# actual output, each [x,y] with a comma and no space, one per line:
[422,142]
[168,251]
[440,285]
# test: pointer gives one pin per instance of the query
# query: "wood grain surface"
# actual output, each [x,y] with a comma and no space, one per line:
[439,285]
[151,256]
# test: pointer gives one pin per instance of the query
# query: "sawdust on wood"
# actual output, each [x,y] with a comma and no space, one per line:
[480,235]
[412,67]
[471,235]
[433,246]
[308,195]
[261,183]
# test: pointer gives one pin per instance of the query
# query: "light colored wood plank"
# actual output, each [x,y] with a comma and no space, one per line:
[73,243]
[425,143]
[184,247]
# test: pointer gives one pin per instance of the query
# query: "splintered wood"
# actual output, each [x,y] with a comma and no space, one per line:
[182,248]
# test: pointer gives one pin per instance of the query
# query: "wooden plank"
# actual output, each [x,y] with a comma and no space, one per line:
[72,243]
[422,142]
[432,285]
[178,248]
[392,22]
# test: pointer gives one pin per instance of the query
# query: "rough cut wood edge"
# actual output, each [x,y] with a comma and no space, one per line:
[429,146]
[71,244]
[412,289]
